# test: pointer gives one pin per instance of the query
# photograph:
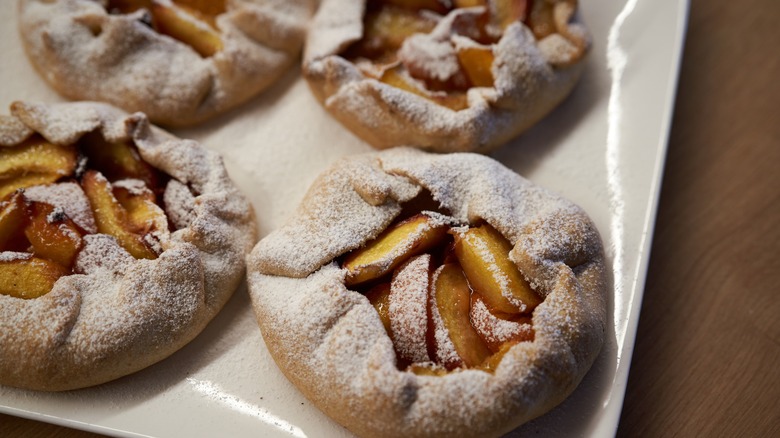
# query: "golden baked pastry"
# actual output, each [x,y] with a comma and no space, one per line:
[445,76]
[178,61]
[118,243]
[415,294]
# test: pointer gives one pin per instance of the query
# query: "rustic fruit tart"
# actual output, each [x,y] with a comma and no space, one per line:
[178,61]
[414,294]
[118,243]
[443,75]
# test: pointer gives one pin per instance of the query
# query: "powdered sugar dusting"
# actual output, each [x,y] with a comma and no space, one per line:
[300,247]
[85,52]
[495,330]
[445,349]
[10,256]
[529,80]
[331,343]
[102,252]
[135,187]
[408,308]
[69,197]
[179,204]
[436,59]
[116,315]
[499,277]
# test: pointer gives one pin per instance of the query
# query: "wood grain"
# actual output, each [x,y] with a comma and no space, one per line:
[707,356]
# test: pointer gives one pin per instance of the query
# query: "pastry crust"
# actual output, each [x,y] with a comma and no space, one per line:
[85,53]
[329,341]
[118,314]
[531,77]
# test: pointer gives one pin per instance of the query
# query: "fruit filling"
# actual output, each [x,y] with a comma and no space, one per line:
[193,22]
[52,196]
[447,294]
[439,49]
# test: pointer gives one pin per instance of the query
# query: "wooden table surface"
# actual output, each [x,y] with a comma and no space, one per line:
[707,355]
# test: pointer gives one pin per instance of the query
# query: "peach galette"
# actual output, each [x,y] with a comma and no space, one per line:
[118,243]
[178,61]
[441,295]
[442,75]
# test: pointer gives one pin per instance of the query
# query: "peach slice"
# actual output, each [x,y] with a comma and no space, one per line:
[386,29]
[117,161]
[440,6]
[187,26]
[409,309]
[379,296]
[391,248]
[208,8]
[427,369]
[37,156]
[476,62]
[454,100]
[70,197]
[496,330]
[28,277]
[111,217]
[14,183]
[52,234]
[143,213]
[493,361]
[13,216]
[451,298]
[469,3]
[506,12]
[540,19]
[484,254]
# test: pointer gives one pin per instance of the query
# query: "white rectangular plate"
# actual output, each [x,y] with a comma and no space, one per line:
[603,148]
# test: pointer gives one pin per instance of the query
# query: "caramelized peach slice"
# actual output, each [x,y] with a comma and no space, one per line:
[70,197]
[493,361]
[14,183]
[52,234]
[13,216]
[391,248]
[506,12]
[386,29]
[37,156]
[143,213]
[541,20]
[117,161]
[111,217]
[427,370]
[208,8]
[498,329]
[409,296]
[379,297]
[455,100]
[440,6]
[476,62]
[469,3]
[451,296]
[183,24]
[484,254]
[29,277]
